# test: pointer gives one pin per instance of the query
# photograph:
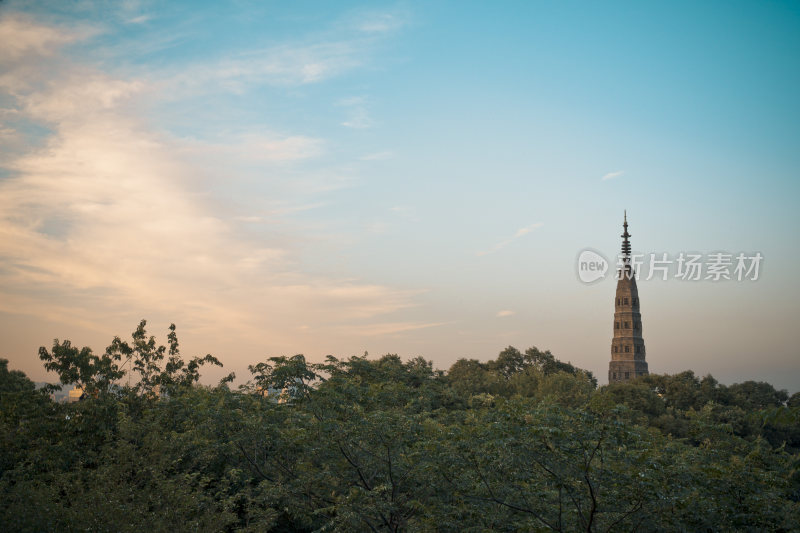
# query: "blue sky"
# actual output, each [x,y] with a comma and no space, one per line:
[412,177]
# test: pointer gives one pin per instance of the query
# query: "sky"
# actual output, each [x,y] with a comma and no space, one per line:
[402,177]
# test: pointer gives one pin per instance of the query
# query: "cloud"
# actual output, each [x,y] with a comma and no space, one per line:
[380,23]
[391,328]
[110,217]
[302,60]
[141,19]
[43,84]
[76,97]
[108,209]
[260,147]
[7,134]
[357,110]
[612,175]
[359,119]
[524,231]
[22,36]
[521,232]
[352,101]
[284,65]
[504,313]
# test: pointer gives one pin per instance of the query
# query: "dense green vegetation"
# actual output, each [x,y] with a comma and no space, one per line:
[520,443]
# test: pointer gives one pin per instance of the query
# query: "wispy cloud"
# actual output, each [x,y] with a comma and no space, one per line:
[253,147]
[381,22]
[303,61]
[505,313]
[612,175]
[527,229]
[140,19]
[392,328]
[376,22]
[359,119]
[521,232]
[22,36]
[358,115]
[284,149]
[112,217]
[284,65]
[306,61]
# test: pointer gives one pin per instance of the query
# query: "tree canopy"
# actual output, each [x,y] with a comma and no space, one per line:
[523,442]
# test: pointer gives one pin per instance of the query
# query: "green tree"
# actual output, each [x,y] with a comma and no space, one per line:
[753,395]
[93,374]
[529,374]
[145,356]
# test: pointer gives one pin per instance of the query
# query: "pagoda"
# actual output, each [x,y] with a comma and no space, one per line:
[627,346]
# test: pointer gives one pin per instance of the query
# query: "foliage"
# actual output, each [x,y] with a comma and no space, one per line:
[532,374]
[520,443]
[145,356]
[91,373]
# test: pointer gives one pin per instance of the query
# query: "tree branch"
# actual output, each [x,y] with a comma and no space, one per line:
[506,504]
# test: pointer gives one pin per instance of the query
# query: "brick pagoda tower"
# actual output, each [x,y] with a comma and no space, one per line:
[627,346]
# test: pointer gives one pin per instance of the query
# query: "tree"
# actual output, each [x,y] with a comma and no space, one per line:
[794,400]
[290,377]
[93,374]
[514,372]
[635,394]
[145,356]
[522,443]
[25,416]
[752,395]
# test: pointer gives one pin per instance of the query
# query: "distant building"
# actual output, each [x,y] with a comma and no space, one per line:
[283,395]
[627,346]
[75,395]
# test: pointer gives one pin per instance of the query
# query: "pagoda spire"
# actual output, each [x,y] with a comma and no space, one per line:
[627,345]
[626,244]
[626,268]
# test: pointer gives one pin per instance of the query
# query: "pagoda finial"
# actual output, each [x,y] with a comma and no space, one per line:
[626,245]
